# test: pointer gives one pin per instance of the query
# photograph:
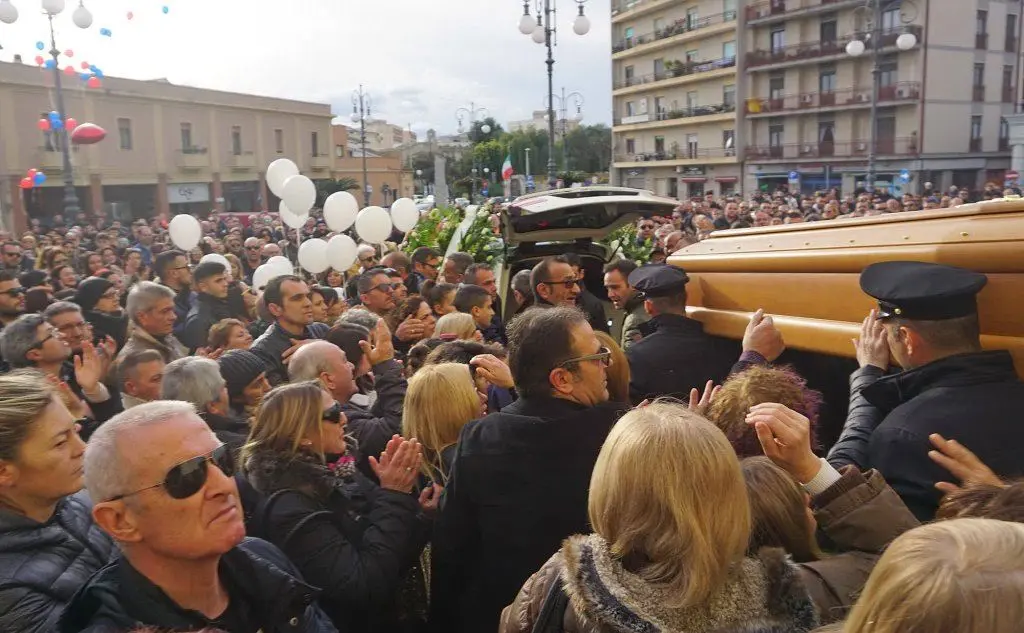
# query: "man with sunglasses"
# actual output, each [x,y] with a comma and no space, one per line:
[289,300]
[13,260]
[253,258]
[163,488]
[554,283]
[520,477]
[12,298]
[425,263]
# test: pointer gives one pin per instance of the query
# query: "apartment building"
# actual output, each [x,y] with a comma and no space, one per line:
[711,96]
[382,136]
[675,95]
[388,175]
[169,148]
[941,102]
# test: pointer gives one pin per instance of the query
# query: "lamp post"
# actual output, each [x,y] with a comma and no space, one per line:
[563,103]
[360,111]
[82,18]
[872,11]
[471,113]
[544,31]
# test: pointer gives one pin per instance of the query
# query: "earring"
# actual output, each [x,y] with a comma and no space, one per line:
[306,443]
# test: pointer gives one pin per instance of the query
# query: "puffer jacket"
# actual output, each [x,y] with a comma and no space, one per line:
[42,565]
[851,449]
[860,513]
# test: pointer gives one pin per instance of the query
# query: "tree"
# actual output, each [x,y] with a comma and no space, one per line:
[588,148]
[324,188]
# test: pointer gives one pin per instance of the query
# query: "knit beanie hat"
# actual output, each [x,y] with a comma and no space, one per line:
[239,367]
[32,278]
[90,291]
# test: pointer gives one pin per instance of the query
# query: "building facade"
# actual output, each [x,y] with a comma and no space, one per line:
[785,104]
[387,174]
[382,136]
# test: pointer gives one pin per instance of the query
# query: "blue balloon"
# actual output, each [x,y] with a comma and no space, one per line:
[50,63]
[39,178]
[57,124]
[85,76]
[92,67]
[54,115]
[166,10]
[98,72]
[105,32]
[40,46]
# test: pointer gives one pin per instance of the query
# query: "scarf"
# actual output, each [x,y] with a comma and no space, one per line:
[269,471]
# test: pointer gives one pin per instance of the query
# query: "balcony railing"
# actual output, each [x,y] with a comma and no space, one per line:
[981,41]
[242,161]
[978,93]
[974,145]
[681,154]
[832,149]
[320,162]
[193,158]
[679,69]
[772,8]
[51,159]
[902,91]
[683,113]
[680,26]
[814,50]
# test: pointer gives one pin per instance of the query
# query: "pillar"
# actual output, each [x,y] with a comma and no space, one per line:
[96,193]
[163,205]
[1016,131]
[217,193]
[262,203]
[18,217]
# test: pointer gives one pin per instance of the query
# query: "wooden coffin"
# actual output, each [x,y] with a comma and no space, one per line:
[806,275]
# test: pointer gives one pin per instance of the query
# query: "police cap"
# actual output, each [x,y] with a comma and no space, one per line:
[659,280]
[922,291]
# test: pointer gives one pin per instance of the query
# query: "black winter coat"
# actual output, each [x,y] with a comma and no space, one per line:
[275,341]
[974,398]
[357,541]
[674,356]
[206,312]
[232,431]
[373,427]
[862,418]
[119,598]
[42,565]
[594,309]
[518,487]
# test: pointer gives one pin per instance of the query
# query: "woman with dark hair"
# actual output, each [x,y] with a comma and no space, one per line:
[101,307]
[108,255]
[439,296]
[488,366]
[63,277]
[91,264]
[323,300]
[37,299]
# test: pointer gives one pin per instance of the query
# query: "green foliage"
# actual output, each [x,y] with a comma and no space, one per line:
[569,178]
[622,241]
[479,239]
[324,188]
[434,229]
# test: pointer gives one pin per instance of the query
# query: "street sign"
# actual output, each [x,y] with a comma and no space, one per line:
[905,175]
[794,176]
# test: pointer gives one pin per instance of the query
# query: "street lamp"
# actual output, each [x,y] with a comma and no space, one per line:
[360,111]
[872,12]
[544,31]
[472,113]
[563,102]
[82,18]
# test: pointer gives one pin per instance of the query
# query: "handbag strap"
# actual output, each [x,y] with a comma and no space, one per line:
[552,612]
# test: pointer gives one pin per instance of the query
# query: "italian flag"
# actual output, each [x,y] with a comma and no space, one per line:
[506,168]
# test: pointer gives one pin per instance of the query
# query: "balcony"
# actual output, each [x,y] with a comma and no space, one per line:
[815,51]
[981,41]
[683,113]
[320,162]
[193,159]
[50,159]
[681,156]
[626,9]
[905,91]
[777,10]
[833,149]
[974,145]
[682,26]
[978,93]
[675,70]
[242,161]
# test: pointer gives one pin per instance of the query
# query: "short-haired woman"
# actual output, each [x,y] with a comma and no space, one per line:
[49,545]
[229,334]
[457,326]
[355,539]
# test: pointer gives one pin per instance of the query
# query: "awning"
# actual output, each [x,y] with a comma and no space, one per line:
[726,179]
[694,179]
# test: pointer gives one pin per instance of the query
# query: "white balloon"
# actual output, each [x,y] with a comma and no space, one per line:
[341,252]
[279,171]
[185,231]
[281,265]
[373,224]
[218,258]
[340,210]
[404,214]
[313,255]
[262,276]
[299,193]
[289,217]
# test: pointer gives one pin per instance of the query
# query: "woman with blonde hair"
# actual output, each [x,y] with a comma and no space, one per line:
[961,575]
[457,326]
[346,534]
[672,528]
[440,400]
[49,546]
[618,371]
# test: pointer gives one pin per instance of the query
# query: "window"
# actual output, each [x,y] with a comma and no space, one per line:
[659,68]
[828,31]
[1011,34]
[981,23]
[729,10]
[888,71]
[659,24]
[891,20]
[692,56]
[631,108]
[314,143]
[976,127]
[630,146]
[729,50]
[778,38]
[776,132]
[339,151]
[1007,84]
[279,141]
[979,75]
[659,108]
[186,136]
[236,140]
[629,70]
[692,148]
[124,133]
[827,80]
[827,131]
[729,95]
[776,87]
[692,18]
[692,100]
[729,142]
[659,145]
[1004,135]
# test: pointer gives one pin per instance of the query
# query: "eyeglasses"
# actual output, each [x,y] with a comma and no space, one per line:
[332,414]
[84,326]
[567,283]
[187,478]
[14,292]
[431,266]
[398,284]
[384,287]
[252,248]
[39,344]
[12,254]
[603,356]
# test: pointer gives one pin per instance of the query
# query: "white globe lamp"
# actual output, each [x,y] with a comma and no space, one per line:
[855,48]
[53,7]
[9,12]
[538,34]
[906,41]
[82,17]
[526,24]
[581,25]
[486,129]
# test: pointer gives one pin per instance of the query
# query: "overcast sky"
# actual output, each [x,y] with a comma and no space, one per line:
[419,61]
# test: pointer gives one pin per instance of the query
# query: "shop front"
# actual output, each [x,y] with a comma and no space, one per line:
[190,198]
[242,197]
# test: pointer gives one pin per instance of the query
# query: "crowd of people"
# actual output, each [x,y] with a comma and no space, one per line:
[397,447]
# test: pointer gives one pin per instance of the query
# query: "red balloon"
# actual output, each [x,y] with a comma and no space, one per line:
[88,134]
[85,65]
[26,183]
[70,124]
[39,60]
[70,71]
[69,53]
[32,173]
[94,82]
[43,124]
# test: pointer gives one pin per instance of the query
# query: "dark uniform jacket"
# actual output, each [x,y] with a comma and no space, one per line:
[42,565]
[206,312]
[675,356]
[594,310]
[275,341]
[261,581]
[973,398]
[182,306]
[518,487]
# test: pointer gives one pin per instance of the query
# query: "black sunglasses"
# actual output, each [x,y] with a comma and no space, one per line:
[14,292]
[187,478]
[332,414]
[568,283]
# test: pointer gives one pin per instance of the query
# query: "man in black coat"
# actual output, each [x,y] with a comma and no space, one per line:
[675,355]
[173,270]
[585,300]
[949,385]
[210,306]
[185,563]
[519,480]
[288,299]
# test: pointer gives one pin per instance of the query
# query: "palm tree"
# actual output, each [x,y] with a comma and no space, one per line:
[325,188]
